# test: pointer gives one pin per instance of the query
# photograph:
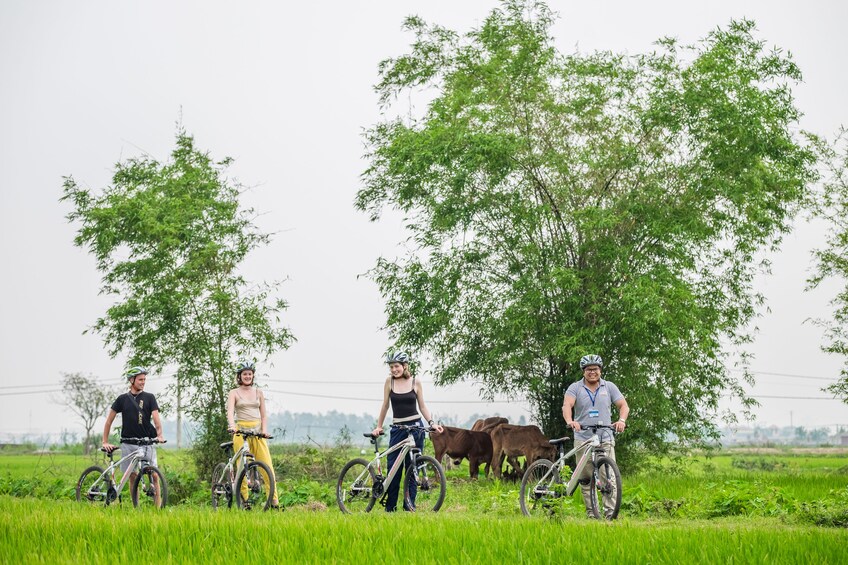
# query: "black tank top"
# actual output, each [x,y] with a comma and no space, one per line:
[404,404]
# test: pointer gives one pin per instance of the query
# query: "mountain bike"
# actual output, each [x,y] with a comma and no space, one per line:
[254,478]
[149,488]
[542,483]
[362,482]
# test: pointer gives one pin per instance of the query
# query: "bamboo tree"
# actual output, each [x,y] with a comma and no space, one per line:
[563,204]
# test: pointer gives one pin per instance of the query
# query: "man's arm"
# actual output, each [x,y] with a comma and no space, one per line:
[623,413]
[107,429]
[567,411]
[158,424]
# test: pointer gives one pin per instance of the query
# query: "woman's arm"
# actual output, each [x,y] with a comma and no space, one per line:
[383,409]
[422,407]
[263,419]
[231,408]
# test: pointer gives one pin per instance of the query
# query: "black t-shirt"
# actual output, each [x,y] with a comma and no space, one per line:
[136,412]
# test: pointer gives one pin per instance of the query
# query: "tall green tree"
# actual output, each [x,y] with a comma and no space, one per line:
[169,239]
[563,204]
[831,261]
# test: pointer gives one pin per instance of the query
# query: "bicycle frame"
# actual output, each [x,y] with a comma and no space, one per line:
[407,446]
[137,462]
[242,454]
[595,443]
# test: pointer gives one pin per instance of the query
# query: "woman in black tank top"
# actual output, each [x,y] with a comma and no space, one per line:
[406,397]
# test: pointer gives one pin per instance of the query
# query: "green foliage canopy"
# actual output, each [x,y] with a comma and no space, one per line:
[831,262]
[562,204]
[169,239]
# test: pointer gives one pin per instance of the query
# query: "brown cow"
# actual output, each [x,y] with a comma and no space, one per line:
[510,442]
[460,443]
[487,424]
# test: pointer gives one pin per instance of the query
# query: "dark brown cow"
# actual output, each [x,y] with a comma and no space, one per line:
[460,443]
[511,442]
[489,423]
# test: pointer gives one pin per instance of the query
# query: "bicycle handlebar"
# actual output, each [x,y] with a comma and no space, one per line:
[373,437]
[596,427]
[134,441]
[247,433]
[142,440]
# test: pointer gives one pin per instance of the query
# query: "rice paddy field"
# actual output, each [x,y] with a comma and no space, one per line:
[736,507]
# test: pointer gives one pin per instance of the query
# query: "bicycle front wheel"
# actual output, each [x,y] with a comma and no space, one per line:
[424,487]
[541,486]
[255,487]
[222,486]
[149,489]
[606,489]
[90,487]
[355,488]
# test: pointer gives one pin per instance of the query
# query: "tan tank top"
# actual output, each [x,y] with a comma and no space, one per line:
[247,410]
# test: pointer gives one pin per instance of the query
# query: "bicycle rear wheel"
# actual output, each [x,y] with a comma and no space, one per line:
[259,480]
[149,489]
[606,489]
[355,488]
[90,488]
[424,487]
[222,486]
[541,488]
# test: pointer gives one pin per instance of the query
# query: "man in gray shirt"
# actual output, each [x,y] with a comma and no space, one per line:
[589,401]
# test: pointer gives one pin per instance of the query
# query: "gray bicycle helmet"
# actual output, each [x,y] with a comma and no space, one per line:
[133,372]
[245,365]
[397,357]
[587,360]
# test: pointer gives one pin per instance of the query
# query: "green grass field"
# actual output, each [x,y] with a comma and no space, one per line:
[729,508]
[44,531]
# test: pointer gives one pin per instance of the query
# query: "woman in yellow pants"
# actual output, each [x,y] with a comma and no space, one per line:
[246,411]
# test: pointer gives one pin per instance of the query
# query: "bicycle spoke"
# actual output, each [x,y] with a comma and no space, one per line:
[355,487]
[425,485]
[540,489]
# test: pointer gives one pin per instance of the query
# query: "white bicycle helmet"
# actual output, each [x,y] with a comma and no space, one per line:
[587,360]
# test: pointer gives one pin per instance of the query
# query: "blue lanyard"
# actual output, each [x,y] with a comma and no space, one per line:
[592,398]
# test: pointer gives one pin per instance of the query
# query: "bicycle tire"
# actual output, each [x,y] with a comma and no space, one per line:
[260,486]
[143,489]
[352,494]
[425,486]
[540,490]
[89,480]
[222,486]
[606,481]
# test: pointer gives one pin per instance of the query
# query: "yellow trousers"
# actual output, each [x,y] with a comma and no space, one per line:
[259,448]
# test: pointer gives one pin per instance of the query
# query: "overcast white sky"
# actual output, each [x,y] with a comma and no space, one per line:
[286,89]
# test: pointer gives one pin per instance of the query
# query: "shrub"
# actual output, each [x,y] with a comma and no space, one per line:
[832,511]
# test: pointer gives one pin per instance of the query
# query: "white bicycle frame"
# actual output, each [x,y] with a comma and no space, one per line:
[138,460]
[404,446]
[595,443]
[242,454]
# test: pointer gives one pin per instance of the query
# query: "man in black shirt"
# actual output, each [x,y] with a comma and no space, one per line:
[137,409]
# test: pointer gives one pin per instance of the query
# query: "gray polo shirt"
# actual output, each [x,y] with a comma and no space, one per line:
[592,408]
